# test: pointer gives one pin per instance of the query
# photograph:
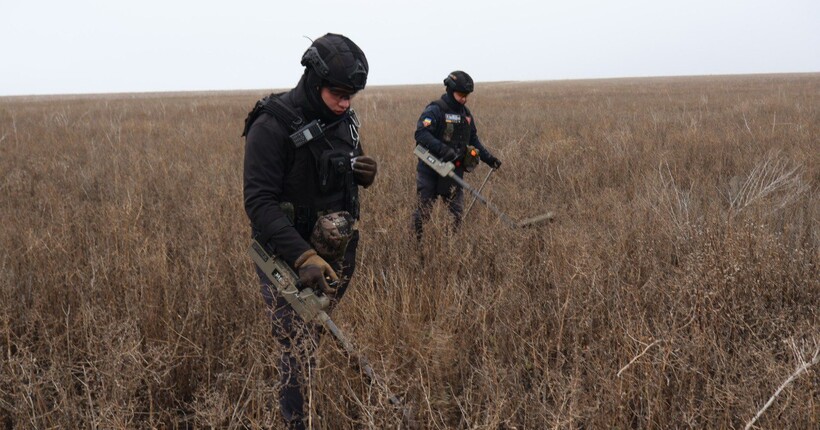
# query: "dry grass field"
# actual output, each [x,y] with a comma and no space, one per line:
[677,287]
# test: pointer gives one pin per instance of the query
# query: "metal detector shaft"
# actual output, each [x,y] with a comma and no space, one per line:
[364,365]
[447,169]
[310,306]
[486,178]
[507,220]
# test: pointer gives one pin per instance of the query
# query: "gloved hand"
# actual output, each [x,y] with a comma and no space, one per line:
[493,162]
[364,170]
[313,270]
[447,154]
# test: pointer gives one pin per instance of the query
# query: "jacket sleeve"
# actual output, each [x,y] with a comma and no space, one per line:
[267,151]
[428,127]
[483,153]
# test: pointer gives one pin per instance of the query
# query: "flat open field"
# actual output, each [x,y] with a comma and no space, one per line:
[677,287]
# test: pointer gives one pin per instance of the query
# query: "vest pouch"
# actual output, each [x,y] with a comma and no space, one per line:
[471,159]
[334,165]
[331,234]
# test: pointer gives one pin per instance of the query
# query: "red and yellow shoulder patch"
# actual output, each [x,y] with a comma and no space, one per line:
[427,122]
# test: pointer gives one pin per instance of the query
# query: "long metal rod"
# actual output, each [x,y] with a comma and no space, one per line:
[486,178]
[364,364]
[507,220]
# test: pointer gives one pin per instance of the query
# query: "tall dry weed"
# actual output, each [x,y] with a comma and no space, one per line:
[678,286]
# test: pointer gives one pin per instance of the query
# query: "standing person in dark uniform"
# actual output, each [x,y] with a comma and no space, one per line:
[304,163]
[447,129]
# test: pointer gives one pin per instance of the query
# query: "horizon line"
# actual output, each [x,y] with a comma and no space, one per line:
[248,90]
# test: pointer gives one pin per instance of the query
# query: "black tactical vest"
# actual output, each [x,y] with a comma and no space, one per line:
[456,127]
[319,176]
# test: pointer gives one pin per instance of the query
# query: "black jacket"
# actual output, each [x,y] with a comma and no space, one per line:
[275,171]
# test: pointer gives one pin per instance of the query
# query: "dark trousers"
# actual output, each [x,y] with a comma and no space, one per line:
[429,187]
[299,339]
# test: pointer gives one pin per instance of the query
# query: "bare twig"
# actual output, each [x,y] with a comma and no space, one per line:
[4,404]
[503,151]
[749,129]
[88,395]
[14,129]
[637,357]
[770,177]
[242,393]
[800,369]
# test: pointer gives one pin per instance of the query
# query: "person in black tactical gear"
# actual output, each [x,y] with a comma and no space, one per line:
[447,129]
[303,160]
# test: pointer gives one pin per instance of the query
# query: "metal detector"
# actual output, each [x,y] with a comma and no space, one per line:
[447,169]
[310,306]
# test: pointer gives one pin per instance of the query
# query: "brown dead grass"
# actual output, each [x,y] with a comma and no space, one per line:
[678,287]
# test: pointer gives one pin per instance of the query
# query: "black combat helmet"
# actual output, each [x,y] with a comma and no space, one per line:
[337,60]
[459,81]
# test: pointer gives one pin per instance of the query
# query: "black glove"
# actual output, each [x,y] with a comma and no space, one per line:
[493,162]
[364,170]
[447,154]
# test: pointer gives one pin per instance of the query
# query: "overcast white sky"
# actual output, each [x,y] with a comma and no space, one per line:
[96,46]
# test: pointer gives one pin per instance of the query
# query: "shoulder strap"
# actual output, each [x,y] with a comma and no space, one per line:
[273,105]
[277,108]
[441,105]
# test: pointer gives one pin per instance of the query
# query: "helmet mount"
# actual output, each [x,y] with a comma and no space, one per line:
[337,61]
[459,81]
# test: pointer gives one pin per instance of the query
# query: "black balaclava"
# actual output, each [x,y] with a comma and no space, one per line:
[311,87]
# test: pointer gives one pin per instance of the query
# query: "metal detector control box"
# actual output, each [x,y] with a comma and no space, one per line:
[443,168]
[305,302]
